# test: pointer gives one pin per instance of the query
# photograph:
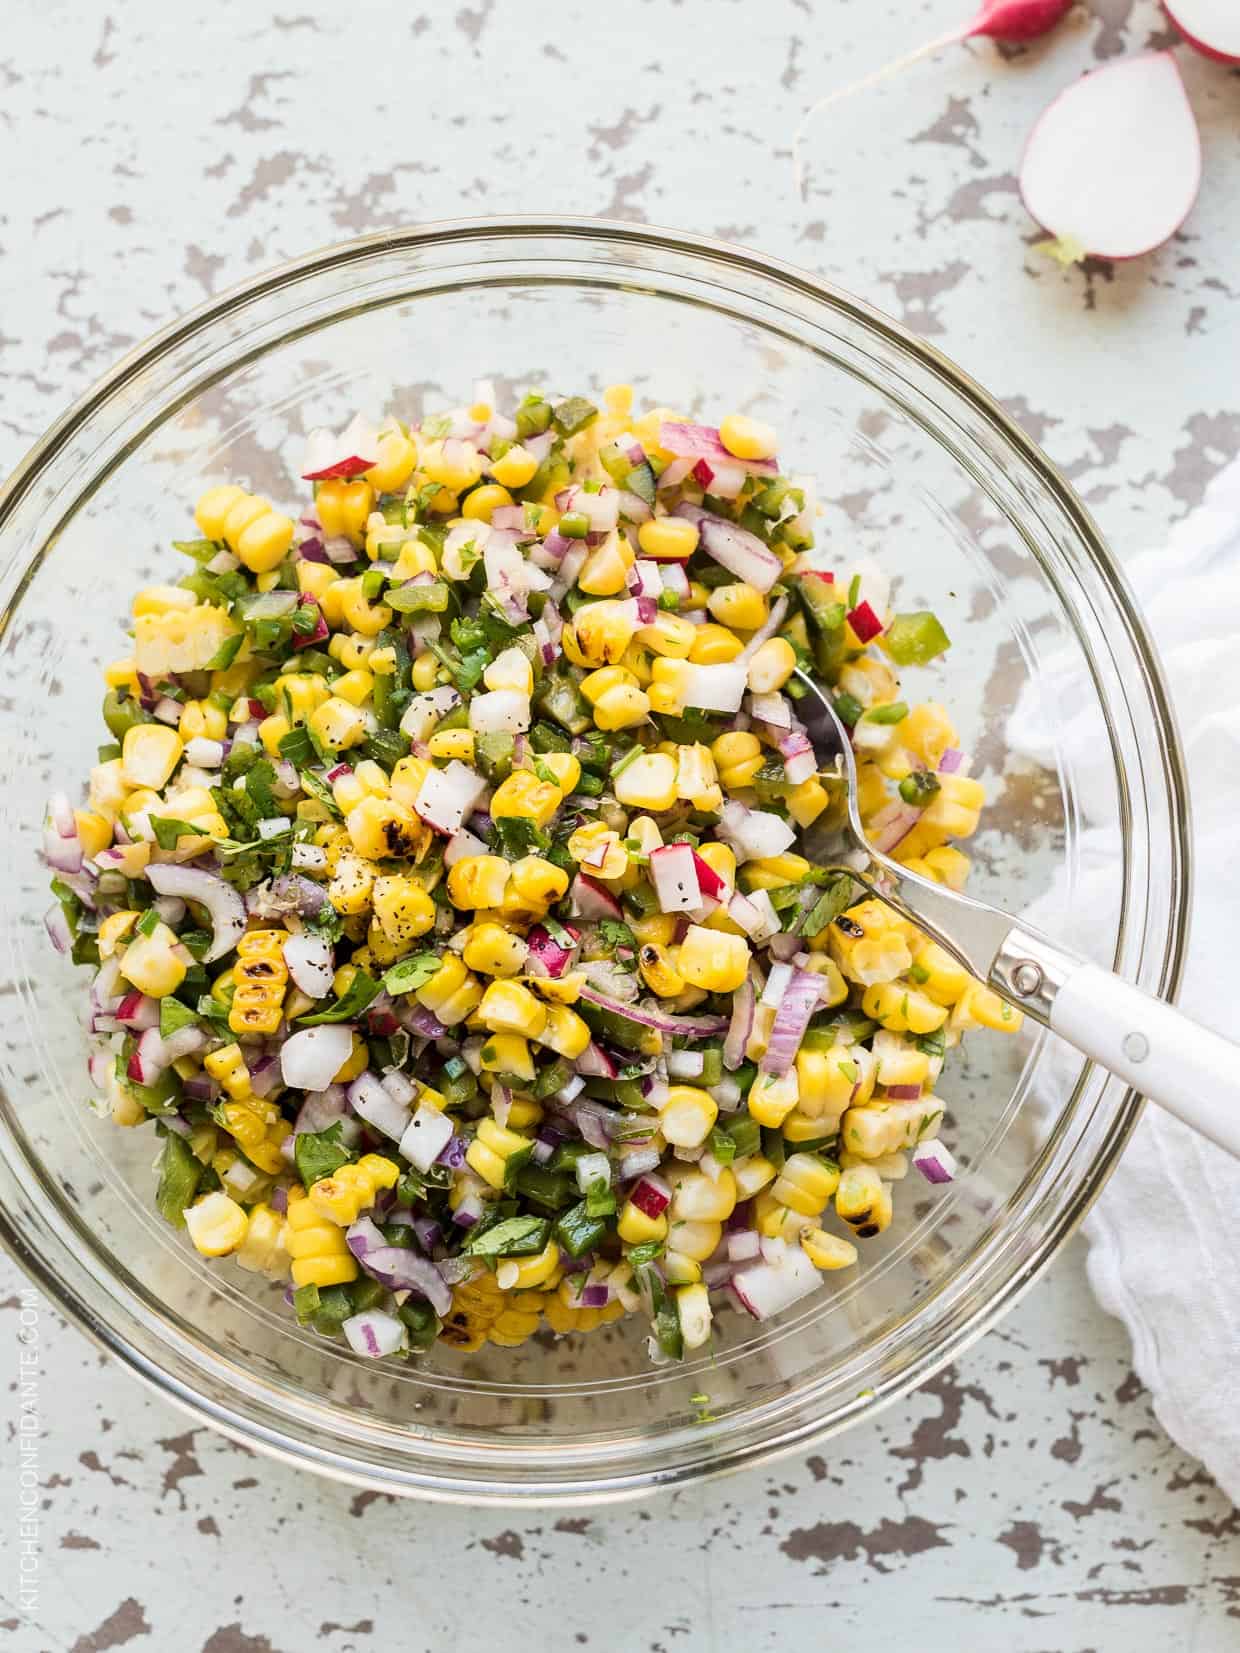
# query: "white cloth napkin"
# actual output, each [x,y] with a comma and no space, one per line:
[1165,1235]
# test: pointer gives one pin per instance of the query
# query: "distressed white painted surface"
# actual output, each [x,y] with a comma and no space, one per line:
[152,153]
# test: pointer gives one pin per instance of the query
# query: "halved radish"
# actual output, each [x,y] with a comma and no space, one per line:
[1114,164]
[1211,26]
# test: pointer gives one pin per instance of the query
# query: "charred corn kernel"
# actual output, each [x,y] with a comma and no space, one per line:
[772,1099]
[481,503]
[658,972]
[564,1032]
[647,782]
[635,1228]
[978,1006]
[687,1115]
[515,468]
[338,725]
[152,966]
[260,975]
[211,511]
[424,671]
[318,1248]
[902,1009]
[771,872]
[699,1198]
[523,1273]
[201,718]
[772,666]
[806,1183]
[598,634]
[358,611]
[938,975]
[258,1129]
[747,438]
[524,795]
[535,882]
[713,960]
[622,707]
[351,888]
[478,881]
[343,1196]
[777,1221]
[402,908]
[740,606]
[598,849]
[227,1067]
[381,827]
[448,980]
[263,1250]
[298,694]
[356,687]
[397,458]
[507,1007]
[271,731]
[863,1201]
[183,640]
[827,1251]
[606,570]
[751,1175]
[149,754]
[565,990]
[216,1225]
[508,1052]
[454,464]
[807,801]
[510,669]
[869,944]
[668,634]
[714,646]
[671,539]
[113,930]
[342,507]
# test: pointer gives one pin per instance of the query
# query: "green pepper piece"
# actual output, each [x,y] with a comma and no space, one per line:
[578,1232]
[493,754]
[915,639]
[180,1172]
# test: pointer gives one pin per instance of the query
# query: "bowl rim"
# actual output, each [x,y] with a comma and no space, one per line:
[611,1485]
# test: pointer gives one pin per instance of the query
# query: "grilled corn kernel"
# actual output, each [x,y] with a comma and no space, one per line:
[598,849]
[216,1225]
[647,782]
[338,725]
[772,666]
[320,1253]
[402,908]
[658,972]
[598,634]
[827,1251]
[510,669]
[606,569]
[714,646]
[938,975]
[621,707]
[713,960]
[806,1183]
[478,881]
[535,882]
[751,1175]
[863,1201]
[515,468]
[668,634]
[777,1221]
[523,794]
[352,885]
[494,951]
[481,504]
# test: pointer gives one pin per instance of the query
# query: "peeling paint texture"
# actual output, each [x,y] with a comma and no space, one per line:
[1026,1499]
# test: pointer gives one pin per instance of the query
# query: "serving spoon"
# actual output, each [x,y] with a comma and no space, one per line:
[1160,1052]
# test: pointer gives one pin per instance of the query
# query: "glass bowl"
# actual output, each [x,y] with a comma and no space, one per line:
[920,469]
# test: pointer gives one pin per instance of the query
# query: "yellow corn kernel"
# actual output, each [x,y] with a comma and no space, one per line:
[313,578]
[772,666]
[478,881]
[455,465]
[338,725]
[271,731]
[647,782]
[598,634]
[263,543]
[863,1201]
[635,1228]
[834,987]
[566,769]
[523,1273]
[949,866]
[481,503]
[151,965]
[596,684]
[381,827]
[778,1221]
[343,507]
[510,669]
[606,569]
[713,960]
[671,539]
[201,718]
[358,611]
[658,972]
[978,1006]
[424,671]
[535,882]
[211,511]
[447,980]
[806,1183]
[320,1253]
[523,1112]
[827,1251]
[747,438]
[656,929]
[622,707]
[771,872]
[669,635]
[699,1198]
[687,1115]
[826,1080]
[263,1250]
[351,887]
[740,606]
[227,1067]
[149,754]
[772,1099]
[402,908]
[113,930]
[807,801]
[397,458]
[356,687]
[870,944]
[564,1032]
[452,743]
[524,795]
[714,646]
[515,468]
[599,850]
[123,674]
[507,1007]
[751,1175]
[899,1063]
[938,975]
[902,1009]
[216,1225]
[300,693]
[668,685]
[507,1052]
[94,831]
[494,951]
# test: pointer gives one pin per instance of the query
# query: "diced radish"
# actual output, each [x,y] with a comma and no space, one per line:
[865,623]
[651,1195]
[590,900]
[755,834]
[1210,26]
[448,795]
[355,450]
[425,710]
[137,1012]
[772,709]
[548,956]
[755,913]
[425,1137]
[501,712]
[708,879]
[1114,164]
[460,845]
[311,1059]
[593,1063]
[675,878]
[767,1289]
[715,688]
[744,1245]
[309,961]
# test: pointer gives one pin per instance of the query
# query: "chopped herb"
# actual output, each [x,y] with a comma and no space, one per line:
[148,923]
[226,653]
[320,1153]
[617,934]
[173,1015]
[411,973]
[168,830]
[297,748]
[512,1237]
[894,712]
[359,993]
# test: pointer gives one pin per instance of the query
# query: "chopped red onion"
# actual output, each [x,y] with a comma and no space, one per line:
[934,1161]
[797,1004]
[740,1026]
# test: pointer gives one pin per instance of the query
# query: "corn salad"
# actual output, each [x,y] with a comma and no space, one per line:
[440,880]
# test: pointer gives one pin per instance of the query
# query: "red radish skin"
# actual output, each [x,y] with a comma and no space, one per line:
[1113,166]
[1211,27]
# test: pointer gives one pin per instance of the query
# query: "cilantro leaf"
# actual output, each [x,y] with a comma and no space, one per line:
[319,1153]
[168,829]
[411,973]
[173,1015]
[317,788]
[361,990]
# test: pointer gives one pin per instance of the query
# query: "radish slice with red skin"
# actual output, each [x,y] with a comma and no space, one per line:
[1211,27]
[1113,166]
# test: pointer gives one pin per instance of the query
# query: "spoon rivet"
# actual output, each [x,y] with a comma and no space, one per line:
[1026,978]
